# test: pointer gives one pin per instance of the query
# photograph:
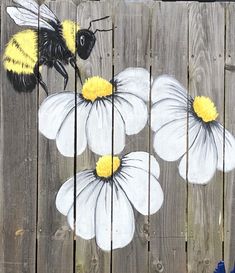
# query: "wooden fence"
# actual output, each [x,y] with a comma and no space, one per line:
[195,228]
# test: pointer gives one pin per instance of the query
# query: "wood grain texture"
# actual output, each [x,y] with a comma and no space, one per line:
[229,193]
[18,168]
[55,239]
[89,257]
[206,77]
[195,228]
[132,49]
[170,56]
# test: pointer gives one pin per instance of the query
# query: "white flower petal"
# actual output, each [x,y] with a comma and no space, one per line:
[85,210]
[226,158]
[123,219]
[135,183]
[53,111]
[134,80]
[140,160]
[65,137]
[165,111]
[65,196]
[133,111]
[99,129]
[170,141]
[166,87]
[202,158]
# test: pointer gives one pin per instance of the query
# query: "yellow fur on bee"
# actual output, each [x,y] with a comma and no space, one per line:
[21,52]
[69,30]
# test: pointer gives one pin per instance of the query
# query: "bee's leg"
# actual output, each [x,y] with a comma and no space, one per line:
[60,68]
[42,83]
[74,65]
[39,77]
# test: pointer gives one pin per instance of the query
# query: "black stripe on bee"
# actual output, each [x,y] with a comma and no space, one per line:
[22,82]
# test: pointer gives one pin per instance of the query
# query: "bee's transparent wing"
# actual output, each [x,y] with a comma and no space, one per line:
[45,12]
[33,6]
[24,17]
[30,5]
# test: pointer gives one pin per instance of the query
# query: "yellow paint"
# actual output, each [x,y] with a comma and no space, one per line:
[104,165]
[96,87]
[205,108]
[69,30]
[21,52]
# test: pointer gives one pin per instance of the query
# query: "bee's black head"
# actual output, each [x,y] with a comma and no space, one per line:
[85,41]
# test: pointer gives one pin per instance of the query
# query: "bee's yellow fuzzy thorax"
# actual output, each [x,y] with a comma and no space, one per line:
[69,30]
[205,108]
[107,165]
[96,87]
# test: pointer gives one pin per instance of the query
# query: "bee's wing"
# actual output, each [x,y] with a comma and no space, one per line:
[31,5]
[24,17]
[28,4]
[47,13]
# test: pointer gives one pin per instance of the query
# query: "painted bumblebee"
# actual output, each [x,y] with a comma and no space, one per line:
[55,45]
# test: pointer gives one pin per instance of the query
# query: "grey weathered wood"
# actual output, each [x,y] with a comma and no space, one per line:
[132,49]
[131,36]
[21,147]
[229,193]
[18,168]
[206,77]
[89,258]
[170,56]
[55,239]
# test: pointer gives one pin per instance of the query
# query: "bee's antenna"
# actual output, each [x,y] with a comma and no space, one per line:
[102,30]
[97,20]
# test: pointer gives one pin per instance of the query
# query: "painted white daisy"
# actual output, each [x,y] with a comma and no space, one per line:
[170,102]
[130,89]
[131,183]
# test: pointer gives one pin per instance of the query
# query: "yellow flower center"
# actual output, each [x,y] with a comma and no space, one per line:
[107,165]
[96,87]
[205,108]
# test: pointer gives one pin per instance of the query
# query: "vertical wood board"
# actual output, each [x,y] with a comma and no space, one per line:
[89,257]
[170,56]
[206,78]
[18,168]
[229,193]
[132,49]
[55,237]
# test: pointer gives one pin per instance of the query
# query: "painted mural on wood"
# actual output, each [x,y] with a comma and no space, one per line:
[115,187]
[55,45]
[127,176]
[172,109]
[174,115]
[127,92]
[119,184]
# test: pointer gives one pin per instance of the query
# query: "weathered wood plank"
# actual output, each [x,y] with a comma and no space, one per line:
[89,257]
[229,193]
[18,168]
[132,49]
[170,56]
[131,36]
[55,239]
[206,77]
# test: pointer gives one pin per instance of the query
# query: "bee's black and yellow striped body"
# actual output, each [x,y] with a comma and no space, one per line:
[29,49]
[20,58]
[54,45]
